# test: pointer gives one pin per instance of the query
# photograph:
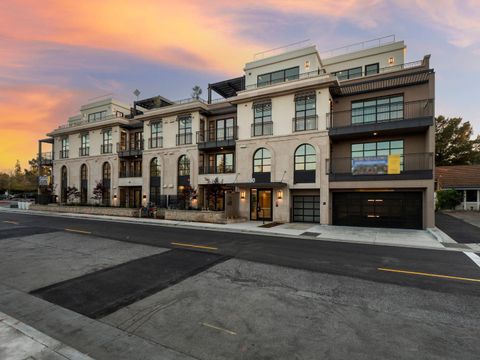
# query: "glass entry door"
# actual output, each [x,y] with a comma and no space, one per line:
[261,204]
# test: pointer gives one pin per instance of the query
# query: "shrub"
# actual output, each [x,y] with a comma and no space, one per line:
[448,199]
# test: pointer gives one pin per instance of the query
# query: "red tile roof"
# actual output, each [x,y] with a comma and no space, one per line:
[467,176]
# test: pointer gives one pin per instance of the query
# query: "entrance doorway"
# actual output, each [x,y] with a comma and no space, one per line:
[131,197]
[261,204]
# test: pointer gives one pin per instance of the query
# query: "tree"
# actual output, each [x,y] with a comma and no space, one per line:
[448,199]
[72,194]
[196,92]
[98,192]
[453,145]
[214,189]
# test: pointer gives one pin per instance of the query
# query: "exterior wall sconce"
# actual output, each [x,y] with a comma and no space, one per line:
[242,195]
[391,60]
[279,194]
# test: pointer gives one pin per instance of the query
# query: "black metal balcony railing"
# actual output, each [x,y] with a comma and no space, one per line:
[84,151]
[64,154]
[155,142]
[415,165]
[381,114]
[304,123]
[217,138]
[106,148]
[130,149]
[45,158]
[126,173]
[184,139]
[261,129]
[222,169]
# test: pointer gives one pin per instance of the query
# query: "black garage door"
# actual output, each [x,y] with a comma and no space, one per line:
[378,209]
[306,209]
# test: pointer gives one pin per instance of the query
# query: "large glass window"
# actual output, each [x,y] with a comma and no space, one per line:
[85,145]
[97,116]
[184,135]
[63,184]
[183,166]
[262,161]
[65,148]
[372,69]
[305,158]
[155,196]
[106,180]
[83,184]
[223,163]
[381,148]
[225,129]
[349,73]
[305,113]
[377,110]
[156,140]
[278,76]
[107,141]
[154,168]
[262,119]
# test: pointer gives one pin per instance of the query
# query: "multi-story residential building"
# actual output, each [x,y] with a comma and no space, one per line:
[346,139]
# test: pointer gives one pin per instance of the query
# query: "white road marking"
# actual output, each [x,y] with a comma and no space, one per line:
[219,328]
[474,257]
[11,222]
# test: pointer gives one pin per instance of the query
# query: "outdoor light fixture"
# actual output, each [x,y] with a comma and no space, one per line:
[144,196]
[115,197]
[242,195]
[279,194]
[391,60]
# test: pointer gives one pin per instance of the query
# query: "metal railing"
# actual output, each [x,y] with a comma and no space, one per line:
[377,165]
[387,69]
[225,169]
[86,121]
[368,44]
[45,158]
[184,139]
[281,49]
[128,149]
[84,151]
[64,154]
[106,148]
[261,129]
[155,142]
[218,136]
[301,76]
[130,173]
[304,123]
[376,114]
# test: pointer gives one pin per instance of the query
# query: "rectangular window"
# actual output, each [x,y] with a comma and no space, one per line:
[471,195]
[278,76]
[184,135]
[372,69]
[381,148]
[107,141]
[305,113]
[156,140]
[217,163]
[65,144]
[85,141]
[349,73]
[377,110]
[97,116]
[262,119]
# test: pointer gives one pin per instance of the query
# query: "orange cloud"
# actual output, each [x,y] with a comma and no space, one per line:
[28,113]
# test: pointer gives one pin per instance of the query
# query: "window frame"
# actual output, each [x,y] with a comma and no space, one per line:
[282,76]
[262,120]
[364,111]
[349,74]
[303,158]
[383,150]
[265,162]
[96,116]
[377,66]
[183,167]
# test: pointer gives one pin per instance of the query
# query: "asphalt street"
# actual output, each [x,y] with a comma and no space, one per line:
[457,229]
[438,270]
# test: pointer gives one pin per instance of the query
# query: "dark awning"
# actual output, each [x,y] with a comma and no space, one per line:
[228,88]
[381,83]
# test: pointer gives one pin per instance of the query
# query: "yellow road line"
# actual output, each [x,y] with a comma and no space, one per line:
[195,246]
[219,328]
[78,231]
[428,274]
[11,222]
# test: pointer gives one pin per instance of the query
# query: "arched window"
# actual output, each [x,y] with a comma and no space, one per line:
[63,184]
[106,180]
[83,184]
[155,181]
[262,165]
[305,164]
[183,166]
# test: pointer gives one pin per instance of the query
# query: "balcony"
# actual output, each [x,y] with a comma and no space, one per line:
[225,169]
[130,173]
[155,142]
[64,154]
[184,139]
[413,116]
[304,123]
[262,129]
[106,148]
[130,150]
[221,137]
[414,166]
[84,151]
[45,159]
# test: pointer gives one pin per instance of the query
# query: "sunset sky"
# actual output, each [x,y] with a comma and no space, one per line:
[56,55]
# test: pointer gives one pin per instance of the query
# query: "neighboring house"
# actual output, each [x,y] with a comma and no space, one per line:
[463,178]
[345,139]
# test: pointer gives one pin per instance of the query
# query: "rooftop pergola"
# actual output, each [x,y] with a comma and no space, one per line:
[226,88]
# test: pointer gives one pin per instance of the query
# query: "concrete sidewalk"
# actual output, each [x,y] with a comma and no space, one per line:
[19,341]
[426,239]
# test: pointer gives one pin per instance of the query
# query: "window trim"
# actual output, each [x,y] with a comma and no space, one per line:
[376,113]
[348,77]
[377,66]
[262,159]
[283,78]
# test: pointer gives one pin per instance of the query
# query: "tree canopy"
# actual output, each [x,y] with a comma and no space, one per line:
[454,144]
